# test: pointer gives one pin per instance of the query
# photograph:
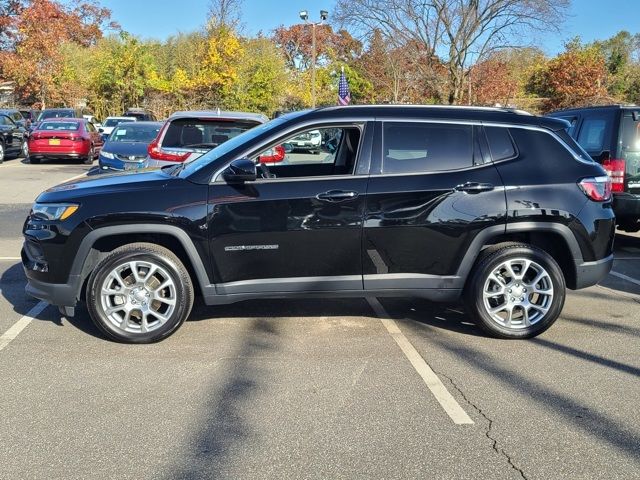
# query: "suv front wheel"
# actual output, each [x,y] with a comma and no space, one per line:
[139,293]
[516,291]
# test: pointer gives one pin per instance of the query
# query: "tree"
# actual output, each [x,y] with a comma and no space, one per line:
[33,59]
[452,32]
[574,78]
[225,13]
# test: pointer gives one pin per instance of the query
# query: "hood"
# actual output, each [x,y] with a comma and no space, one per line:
[126,148]
[130,182]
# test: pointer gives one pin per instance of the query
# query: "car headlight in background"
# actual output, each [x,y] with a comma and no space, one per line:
[107,155]
[54,211]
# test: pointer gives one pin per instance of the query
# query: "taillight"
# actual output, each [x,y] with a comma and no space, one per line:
[273,155]
[156,153]
[615,169]
[597,188]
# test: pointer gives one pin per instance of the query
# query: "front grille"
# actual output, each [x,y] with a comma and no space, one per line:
[131,158]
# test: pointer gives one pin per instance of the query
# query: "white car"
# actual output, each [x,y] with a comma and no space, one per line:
[111,122]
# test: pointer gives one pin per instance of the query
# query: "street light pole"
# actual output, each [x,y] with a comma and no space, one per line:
[304,15]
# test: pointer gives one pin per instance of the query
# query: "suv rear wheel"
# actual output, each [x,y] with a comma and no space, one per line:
[139,293]
[517,291]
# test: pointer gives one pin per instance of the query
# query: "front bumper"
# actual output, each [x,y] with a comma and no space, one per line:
[590,273]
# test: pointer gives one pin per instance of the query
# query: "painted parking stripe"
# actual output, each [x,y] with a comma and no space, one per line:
[21,324]
[439,391]
[625,277]
[6,259]
[74,178]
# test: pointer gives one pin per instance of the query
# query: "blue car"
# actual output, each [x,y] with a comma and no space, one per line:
[126,147]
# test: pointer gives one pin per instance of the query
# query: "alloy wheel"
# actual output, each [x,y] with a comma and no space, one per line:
[518,293]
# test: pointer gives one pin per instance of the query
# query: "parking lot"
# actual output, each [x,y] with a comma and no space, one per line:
[332,388]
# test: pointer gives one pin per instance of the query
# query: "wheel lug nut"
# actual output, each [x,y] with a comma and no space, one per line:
[522,299]
[513,299]
[509,290]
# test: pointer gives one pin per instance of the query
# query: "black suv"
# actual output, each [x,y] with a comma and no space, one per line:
[611,135]
[436,202]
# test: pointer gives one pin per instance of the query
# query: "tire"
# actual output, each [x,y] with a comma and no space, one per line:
[630,226]
[24,151]
[34,161]
[542,301]
[1,152]
[90,157]
[121,316]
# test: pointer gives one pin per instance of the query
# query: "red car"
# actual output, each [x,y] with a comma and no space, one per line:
[65,138]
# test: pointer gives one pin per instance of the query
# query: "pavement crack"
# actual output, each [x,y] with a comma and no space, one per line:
[494,441]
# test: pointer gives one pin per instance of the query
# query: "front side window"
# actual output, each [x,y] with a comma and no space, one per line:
[314,152]
[426,147]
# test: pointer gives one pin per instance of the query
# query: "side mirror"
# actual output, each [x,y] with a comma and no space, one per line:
[240,171]
[101,130]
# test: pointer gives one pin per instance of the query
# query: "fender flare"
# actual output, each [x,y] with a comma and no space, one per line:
[92,237]
[487,234]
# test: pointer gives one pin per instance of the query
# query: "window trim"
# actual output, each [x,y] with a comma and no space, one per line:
[274,140]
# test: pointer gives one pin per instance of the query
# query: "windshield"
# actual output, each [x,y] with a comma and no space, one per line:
[56,114]
[135,132]
[70,126]
[234,143]
[112,122]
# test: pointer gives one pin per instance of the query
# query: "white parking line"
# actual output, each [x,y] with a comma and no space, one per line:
[625,277]
[439,391]
[6,259]
[21,324]
[74,178]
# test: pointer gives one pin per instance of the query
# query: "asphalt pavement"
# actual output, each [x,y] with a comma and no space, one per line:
[327,389]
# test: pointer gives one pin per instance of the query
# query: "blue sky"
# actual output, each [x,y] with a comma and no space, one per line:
[591,19]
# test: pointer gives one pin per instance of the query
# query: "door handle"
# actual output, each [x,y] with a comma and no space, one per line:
[475,187]
[337,196]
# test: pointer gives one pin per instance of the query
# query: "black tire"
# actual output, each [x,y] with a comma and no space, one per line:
[145,253]
[33,160]
[90,157]
[630,225]
[2,152]
[492,260]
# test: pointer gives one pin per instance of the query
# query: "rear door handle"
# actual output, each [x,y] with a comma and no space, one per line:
[337,196]
[475,187]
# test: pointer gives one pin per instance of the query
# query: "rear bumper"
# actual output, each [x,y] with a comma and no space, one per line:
[57,155]
[590,273]
[626,205]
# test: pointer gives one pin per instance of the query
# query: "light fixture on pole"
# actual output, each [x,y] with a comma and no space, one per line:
[304,16]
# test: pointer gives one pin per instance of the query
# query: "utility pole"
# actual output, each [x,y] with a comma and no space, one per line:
[304,15]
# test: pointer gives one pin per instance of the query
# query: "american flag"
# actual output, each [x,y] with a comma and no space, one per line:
[344,95]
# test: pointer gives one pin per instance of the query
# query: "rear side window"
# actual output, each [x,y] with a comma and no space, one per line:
[500,143]
[593,133]
[202,133]
[426,147]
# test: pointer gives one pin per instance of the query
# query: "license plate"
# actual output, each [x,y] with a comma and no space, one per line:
[133,166]
[54,141]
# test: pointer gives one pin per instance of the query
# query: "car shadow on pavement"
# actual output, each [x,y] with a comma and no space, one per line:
[224,427]
[562,405]
[12,283]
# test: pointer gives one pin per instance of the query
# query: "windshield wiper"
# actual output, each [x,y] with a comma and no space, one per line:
[201,145]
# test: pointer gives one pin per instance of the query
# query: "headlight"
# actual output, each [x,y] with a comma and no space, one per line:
[54,211]
[107,154]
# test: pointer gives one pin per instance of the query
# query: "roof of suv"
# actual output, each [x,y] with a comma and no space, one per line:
[441,112]
[226,115]
[598,107]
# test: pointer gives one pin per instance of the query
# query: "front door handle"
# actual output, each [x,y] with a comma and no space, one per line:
[474,187]
[337,196]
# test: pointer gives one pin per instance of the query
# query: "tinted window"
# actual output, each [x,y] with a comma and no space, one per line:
[593,133]
[16,116]
[135,132]
[202,133]
[630,147]
[426,147]
[500,143]
[4,120]
[56,114]
[59,126]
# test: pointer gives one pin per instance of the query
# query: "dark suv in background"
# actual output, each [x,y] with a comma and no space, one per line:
[611,135]
[498,206]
